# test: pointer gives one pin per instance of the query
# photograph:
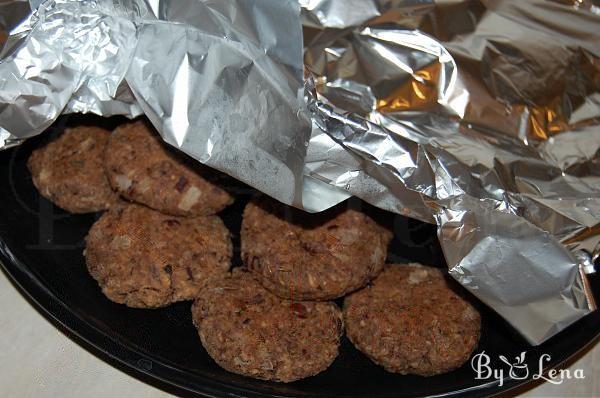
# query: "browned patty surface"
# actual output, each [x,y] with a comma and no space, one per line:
[249,331]
[146,259]
[142,168]
[311,256]
[69,170]
[409,320]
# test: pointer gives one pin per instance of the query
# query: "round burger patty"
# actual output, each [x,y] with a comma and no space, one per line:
[146,259]
[69,170]
[249,331]
[409,320]
[305,256]
[143,169]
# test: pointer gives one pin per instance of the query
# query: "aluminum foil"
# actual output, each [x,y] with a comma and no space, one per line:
[480,116]
[490,111]
[246,115]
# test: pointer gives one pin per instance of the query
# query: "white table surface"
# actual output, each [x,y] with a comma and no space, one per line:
[37,360]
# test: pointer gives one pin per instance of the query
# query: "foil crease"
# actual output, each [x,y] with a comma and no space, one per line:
[488,110]
[481,116]
[65,57]
[234,61]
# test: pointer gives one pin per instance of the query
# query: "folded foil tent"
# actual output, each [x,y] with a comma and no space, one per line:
[481,116]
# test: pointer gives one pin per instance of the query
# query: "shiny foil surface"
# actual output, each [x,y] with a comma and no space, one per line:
[480,116]
[484,115]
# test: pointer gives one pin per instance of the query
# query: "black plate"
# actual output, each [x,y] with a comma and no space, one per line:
[41,250]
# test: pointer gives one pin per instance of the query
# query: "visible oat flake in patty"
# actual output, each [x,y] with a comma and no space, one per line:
[142,168]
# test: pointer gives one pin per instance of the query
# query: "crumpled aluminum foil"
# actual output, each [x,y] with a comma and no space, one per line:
[481,116]
[490,111]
